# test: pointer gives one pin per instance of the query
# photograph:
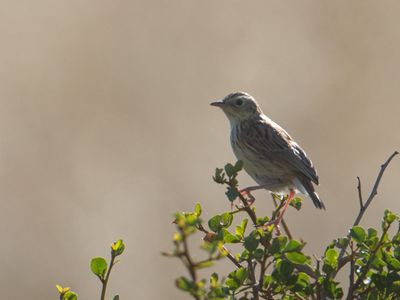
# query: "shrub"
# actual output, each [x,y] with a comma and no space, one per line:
[271,265]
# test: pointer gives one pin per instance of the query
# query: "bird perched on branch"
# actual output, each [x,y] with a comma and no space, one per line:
[269,154]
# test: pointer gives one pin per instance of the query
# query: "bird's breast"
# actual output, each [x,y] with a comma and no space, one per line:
[258,164]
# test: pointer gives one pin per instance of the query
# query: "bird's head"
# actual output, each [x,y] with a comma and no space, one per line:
[238,106]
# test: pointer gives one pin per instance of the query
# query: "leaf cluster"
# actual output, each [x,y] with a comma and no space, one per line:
[275,266]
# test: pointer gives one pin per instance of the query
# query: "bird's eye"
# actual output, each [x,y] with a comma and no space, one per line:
[239,102]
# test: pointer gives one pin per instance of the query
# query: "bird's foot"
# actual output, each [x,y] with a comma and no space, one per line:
[246,200]
[246,192]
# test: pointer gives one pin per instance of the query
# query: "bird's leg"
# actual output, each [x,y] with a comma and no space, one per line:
[247,192]
[278,220]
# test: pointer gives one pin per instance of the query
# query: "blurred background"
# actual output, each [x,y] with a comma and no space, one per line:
[106,128]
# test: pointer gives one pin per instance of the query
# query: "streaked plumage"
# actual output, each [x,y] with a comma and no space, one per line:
[270,156]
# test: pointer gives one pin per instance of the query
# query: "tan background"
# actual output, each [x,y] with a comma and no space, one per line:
[105,127]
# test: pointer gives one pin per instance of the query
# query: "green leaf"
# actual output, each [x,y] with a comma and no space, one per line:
[197,209]
[219,176]
[262,221]
[232,194]
[241,275]
[250,243]
[117,248]
[240,230]
[70,296]
[267,280]
[59,288]
[184,284]
[296,203]
[332,290]
[214,280]
[245,255]
[205,264]
[358,234]
[116,297]
[258,254]
[342,243]
[293,245]
[62,290]
[297,258]
[236,278]
[232,283]
[278,244]
[372,232]
[238,166]
[378,263]
[303,280]
[389,217]
[230,170]
[191,219]
[229,237]
[331,258]
[394,263]
[98,265]
[215,223]
[226,219]
[284,268]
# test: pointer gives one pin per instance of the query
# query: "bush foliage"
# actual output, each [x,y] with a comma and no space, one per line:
[273,265]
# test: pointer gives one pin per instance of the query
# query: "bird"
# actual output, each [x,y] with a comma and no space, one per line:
[269,154]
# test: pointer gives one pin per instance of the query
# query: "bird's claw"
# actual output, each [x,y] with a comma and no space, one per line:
[248,199]
[246,192]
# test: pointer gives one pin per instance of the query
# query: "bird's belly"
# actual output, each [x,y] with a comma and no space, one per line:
[265,172]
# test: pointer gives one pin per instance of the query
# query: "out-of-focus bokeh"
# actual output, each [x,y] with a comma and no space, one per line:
[105,127]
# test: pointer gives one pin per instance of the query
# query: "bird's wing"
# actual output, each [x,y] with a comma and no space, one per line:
[275,144]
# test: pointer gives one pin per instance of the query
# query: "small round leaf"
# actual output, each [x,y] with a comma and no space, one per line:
[98,265]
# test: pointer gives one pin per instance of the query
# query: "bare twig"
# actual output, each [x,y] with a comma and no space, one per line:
[360,198]
[374,192]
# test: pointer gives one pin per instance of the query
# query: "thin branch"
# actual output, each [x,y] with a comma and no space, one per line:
[229,255]
[105,280]
[253,280]
[371,196]
[368,264]
[374,190]
[360,198]
[264,267]
[352,266]
[343,262]
[191,265]
[248,210]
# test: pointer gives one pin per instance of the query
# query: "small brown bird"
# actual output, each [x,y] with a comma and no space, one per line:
[269,154]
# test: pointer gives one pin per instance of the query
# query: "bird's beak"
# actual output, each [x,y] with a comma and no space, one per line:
[217,104]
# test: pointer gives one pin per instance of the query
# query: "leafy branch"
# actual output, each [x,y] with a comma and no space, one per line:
[373,193]
[99,267]
[271,266]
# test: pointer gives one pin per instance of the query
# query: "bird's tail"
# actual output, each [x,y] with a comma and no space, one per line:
[313,195]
